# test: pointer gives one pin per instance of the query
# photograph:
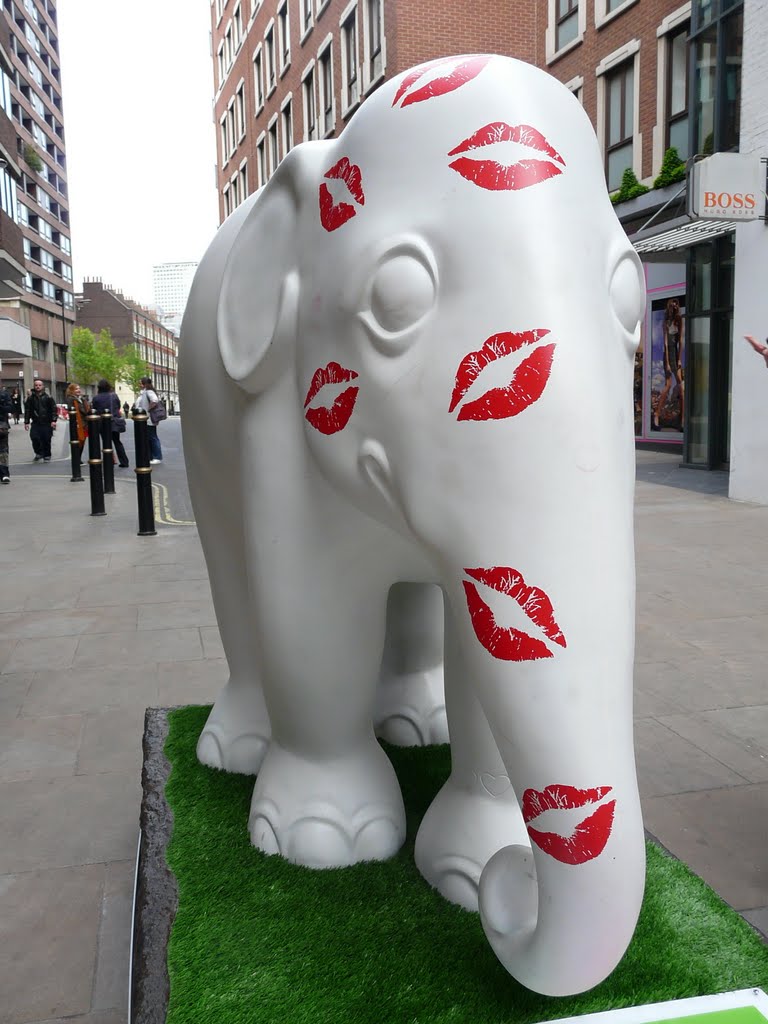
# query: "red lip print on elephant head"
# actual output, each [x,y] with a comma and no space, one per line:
[577,841]
[455,75]
[498,177]
[331,419]
[528,381]
[511,643]
[334,214]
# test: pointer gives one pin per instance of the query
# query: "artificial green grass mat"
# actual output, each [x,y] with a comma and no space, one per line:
[259,940]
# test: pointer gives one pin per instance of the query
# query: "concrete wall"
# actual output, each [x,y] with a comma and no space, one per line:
[749,407]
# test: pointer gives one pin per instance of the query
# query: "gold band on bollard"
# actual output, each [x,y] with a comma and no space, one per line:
[75,442]
[107,450]
[143,469]
[93,416]
[139,416]
[94,462]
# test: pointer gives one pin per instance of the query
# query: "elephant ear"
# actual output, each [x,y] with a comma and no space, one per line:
[258,302]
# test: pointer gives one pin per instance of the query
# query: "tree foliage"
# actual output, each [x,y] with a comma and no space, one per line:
[93,357]
[132,368]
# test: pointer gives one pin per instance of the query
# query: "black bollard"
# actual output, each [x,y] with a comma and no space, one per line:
[94,465]
[74,447]
[108,462]
[143,476]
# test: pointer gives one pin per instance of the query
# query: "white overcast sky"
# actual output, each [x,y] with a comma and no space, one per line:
[137,84]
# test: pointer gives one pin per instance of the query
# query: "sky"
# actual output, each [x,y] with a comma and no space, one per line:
[137,86]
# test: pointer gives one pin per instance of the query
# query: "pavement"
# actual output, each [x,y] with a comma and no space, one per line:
[96,624]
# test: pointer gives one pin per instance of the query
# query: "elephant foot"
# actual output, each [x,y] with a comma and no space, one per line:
[325,814]
[236,736]
[463,828]
[410,709]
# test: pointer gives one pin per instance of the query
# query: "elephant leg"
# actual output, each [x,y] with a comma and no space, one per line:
[476,812]
[236,734]
[410,707]
[326,795]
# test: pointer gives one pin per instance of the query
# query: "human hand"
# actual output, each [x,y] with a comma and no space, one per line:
[26,426]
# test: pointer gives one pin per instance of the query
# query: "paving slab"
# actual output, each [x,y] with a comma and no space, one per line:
[33,748]
[110,990]
[49,922]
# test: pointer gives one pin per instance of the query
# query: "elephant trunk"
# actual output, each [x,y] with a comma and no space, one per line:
[549,647]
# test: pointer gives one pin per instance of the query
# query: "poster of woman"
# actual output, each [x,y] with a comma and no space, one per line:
[667,357]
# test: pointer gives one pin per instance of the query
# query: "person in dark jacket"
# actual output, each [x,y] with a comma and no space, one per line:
[6,410]
[16,400]
[40,416]
[105,400]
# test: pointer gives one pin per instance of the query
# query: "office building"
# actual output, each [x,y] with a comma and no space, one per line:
[171,283]
[33,95]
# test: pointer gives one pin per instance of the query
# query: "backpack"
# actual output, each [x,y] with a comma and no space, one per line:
[158,412]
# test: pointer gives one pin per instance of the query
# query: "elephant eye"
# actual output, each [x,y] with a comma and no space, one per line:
[627,292]
[401,294]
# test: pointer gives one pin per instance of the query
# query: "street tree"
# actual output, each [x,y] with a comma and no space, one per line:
[93,356]
[132,368]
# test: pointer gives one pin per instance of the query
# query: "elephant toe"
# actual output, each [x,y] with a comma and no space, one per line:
[318,843]
[245,754]
[438,726]
[209,750]
[378,840]
[263,836]
[400,731]
[458,880]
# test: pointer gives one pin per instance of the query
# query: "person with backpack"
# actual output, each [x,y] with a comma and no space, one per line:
[6,411]
[148,402]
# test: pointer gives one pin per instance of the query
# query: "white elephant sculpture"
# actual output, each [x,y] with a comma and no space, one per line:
[408,361]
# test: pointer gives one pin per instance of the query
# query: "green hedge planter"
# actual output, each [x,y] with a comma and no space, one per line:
[258,940]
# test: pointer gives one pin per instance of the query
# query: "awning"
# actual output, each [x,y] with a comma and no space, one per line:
[683,236]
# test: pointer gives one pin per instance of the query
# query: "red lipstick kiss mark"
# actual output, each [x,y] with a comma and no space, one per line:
[588,839]
[333,215]
[459,75]
[509,644]
[331,420]
[498,177]
[527,384]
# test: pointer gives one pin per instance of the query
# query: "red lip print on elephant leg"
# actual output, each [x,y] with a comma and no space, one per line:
[511,177]
[510,643]
[578,839]
[331,419]
[333,214]
[455,75]
[529,378]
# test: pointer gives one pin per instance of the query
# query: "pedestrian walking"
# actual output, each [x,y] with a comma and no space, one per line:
[126,409]
[16,400]
[105,400]
[6,410]
[146,402]
[79,403]
[40,416]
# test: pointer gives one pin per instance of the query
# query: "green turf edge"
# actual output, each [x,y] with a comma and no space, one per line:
[259,940]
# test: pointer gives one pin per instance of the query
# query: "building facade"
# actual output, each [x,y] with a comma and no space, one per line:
[33,96]
[171,283]
[101,306]
[661,81]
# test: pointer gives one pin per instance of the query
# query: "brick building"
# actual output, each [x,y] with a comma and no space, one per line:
[31,94]
[101,306]
[651,74]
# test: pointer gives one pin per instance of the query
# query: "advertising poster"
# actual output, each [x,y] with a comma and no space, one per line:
[667,355]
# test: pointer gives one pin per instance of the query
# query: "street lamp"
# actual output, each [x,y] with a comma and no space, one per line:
[60,298]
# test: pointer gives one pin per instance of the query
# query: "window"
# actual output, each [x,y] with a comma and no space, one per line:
[243,183]
[283,31]
[258,80]
[261,161]
[351,92]
[619,110]
[274,155]
[237,28]
[306,16]
[224,133]
[310,109]
[325,81]
[716,54]
[39,348]
[269,46]
[677,92]
[374,55]
[567,22]
[240,112]
[287,117]
[606,9]
[222,68]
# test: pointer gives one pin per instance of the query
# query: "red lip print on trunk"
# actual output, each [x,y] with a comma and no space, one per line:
[331,420]
[333,215]
[588,839]
[527,384]
[459,75]
[511,178]
[509,644]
